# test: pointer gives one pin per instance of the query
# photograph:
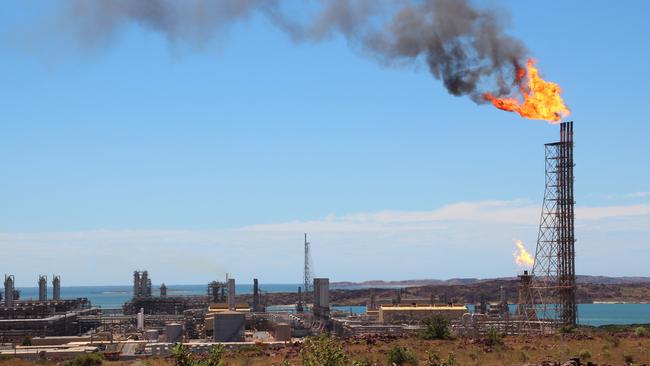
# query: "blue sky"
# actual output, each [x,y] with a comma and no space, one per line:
[191,163]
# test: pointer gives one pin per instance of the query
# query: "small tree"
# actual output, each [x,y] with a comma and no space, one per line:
[215,356]
[27,341]
[399,356]
[436,327]
[322,351]
[182,356]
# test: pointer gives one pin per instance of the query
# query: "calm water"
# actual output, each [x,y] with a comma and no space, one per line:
[115,296]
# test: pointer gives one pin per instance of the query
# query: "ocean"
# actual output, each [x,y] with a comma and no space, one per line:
[115,296]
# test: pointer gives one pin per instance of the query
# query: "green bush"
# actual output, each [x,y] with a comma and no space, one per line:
[322,351]
[181,355]
[451,360]
[87,359]
[640,331]
[567,329]
[215,356]
[433,359]
[494,338]
[399,356]
[436,327]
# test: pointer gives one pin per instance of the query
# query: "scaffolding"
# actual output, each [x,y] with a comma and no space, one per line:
[553,281]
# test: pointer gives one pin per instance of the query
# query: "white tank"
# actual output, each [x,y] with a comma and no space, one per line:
[141,319]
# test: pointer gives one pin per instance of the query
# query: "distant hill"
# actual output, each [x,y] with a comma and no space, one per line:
[596,280]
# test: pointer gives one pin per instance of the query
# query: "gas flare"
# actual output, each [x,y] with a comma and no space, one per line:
[541,98]
[522,257]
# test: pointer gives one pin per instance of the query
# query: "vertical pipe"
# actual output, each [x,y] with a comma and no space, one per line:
[231,294]
[256,295]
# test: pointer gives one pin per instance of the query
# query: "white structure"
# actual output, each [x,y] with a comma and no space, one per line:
[141,319]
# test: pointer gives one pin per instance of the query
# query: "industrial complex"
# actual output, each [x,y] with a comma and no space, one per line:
[150,323]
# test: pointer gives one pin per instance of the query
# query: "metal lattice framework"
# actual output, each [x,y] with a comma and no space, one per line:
[308,275]
[554,268]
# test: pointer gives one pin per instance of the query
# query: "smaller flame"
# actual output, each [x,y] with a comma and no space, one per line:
[522,257]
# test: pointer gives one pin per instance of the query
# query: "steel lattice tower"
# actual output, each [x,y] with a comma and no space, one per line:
[307,285]
[554,268]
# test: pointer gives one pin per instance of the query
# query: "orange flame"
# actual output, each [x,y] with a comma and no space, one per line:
[522,257]
[542,98]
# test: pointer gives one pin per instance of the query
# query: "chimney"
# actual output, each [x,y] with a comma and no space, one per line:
[256,295]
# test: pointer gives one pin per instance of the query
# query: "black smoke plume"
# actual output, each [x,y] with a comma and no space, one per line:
[465,47]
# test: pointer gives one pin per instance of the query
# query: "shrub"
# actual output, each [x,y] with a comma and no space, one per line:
[322,351]
[215,356]
[436,327]
[567,329]
[27,341]
[451,360]
[494,338]
[433,359]
[584,354]
[473,355]
[399,355]
[640,331]
[523,356]
[86,359]
[182,356]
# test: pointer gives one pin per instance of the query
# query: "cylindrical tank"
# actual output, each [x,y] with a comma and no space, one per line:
[140,319]
[173,332]
[282,332]
[151,335]
[229,326]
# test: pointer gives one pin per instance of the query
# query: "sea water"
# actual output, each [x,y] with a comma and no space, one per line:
[115,296]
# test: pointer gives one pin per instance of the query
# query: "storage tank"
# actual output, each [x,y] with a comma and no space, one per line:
[173,332]
[151,335]
[228,326]
[282,332]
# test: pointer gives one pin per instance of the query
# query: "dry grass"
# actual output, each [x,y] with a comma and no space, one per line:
[600,347]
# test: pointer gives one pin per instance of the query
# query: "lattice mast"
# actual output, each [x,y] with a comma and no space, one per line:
[554,268]
[308,275]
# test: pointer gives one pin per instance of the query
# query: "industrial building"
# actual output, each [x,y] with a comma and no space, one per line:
[42,317]
[149,325]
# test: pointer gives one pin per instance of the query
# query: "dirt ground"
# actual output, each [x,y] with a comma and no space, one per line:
[602,348]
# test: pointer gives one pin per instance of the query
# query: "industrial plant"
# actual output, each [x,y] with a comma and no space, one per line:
[151,323]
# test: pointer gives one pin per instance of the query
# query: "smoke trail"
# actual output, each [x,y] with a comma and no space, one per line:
[465,47]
